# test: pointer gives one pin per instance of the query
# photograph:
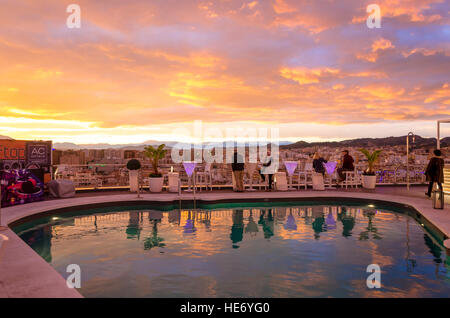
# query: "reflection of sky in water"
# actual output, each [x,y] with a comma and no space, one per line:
[315,251]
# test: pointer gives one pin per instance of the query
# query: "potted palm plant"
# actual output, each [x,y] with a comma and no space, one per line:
[369,178]
[156,178]
[133,167]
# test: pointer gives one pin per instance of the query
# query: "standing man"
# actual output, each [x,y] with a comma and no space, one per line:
[237,166]
[435,171]
[347,165]
[269,168]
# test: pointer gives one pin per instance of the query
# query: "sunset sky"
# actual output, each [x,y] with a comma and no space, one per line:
[138,69]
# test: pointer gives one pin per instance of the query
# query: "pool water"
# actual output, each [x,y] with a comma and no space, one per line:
[284,251]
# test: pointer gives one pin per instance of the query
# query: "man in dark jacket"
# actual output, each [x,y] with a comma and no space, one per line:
[435,171]
[237,166]
[347,165]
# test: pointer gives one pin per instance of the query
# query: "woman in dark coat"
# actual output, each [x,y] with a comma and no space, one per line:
[318,162]
[435,171]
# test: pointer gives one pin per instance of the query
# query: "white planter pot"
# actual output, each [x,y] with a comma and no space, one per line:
[156,184]
[133,174]
[369,182]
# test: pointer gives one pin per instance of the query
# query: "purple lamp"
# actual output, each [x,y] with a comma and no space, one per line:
[290,168]
[189,167]
[330,167]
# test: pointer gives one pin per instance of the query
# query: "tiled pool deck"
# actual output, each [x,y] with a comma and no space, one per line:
[23,273]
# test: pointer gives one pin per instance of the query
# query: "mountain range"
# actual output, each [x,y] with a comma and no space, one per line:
[359,142]
[419,142]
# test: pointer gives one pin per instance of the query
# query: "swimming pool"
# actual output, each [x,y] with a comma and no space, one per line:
[317,249]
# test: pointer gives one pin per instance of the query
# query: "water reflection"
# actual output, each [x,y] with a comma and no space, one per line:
[237,229]
[189,227]
[348,221]
[267,223]
[40,240]
[290,224]
[252,227]
[371,230]
[154,240]
[134,229]
[223,250]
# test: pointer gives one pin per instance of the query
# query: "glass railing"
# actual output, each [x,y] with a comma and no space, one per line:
[104,176]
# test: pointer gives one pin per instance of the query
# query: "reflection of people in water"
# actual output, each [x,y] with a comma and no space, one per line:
[267,223]
[348,222]
[133,229]
[318,226]
[237,229]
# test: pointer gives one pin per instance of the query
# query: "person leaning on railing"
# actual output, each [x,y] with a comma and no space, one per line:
[435,171]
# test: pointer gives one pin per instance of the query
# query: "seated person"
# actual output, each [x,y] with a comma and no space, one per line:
[347,165]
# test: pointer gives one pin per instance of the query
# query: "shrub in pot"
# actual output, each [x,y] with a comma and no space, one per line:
[155,154]
[133,166]
[369,178]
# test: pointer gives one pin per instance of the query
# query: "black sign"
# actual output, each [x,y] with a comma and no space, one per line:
[38,153]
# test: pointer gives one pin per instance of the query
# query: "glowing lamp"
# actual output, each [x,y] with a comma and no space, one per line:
[330,167]
[290,167]
[189,167]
